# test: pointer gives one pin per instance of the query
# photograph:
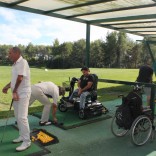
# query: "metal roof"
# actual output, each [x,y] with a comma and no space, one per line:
[131,16]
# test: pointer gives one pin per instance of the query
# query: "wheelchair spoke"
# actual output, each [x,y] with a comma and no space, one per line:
[117,130]
[141,130]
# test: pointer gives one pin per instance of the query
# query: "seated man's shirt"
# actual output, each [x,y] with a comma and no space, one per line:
[84,81]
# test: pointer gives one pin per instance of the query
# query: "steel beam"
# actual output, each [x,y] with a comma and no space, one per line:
[87,58]
[78,5]
[113,10]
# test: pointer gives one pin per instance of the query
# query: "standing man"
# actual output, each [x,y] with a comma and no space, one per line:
[145,76]
[42,92]
[21,90]
[84,86]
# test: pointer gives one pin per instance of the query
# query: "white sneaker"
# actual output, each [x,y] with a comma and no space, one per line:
[47,123]
[19,139]
[23,146]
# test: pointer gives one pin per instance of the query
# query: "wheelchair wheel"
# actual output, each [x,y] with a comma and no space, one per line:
[116,130]
[141,130]
[62,107]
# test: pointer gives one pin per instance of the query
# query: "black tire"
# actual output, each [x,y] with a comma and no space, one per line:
[141,130]
[116,130]
[82,114]
[99,114]
[62,107]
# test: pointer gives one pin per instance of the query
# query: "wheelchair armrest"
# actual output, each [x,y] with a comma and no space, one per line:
[146,109]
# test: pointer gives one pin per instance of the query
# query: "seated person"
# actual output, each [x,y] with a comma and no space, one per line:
[41,92]
[84,86]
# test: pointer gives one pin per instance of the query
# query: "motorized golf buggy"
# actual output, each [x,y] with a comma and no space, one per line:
[92,106]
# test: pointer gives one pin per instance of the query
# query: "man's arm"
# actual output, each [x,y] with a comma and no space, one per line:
[78,83]
[54,107]
[5,89]
[18,82]
[89,85]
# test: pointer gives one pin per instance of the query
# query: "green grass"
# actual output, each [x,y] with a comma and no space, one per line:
[106,91]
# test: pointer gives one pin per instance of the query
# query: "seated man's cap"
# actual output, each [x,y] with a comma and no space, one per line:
[85,68]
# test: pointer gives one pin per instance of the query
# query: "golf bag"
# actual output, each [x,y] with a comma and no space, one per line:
[129,110]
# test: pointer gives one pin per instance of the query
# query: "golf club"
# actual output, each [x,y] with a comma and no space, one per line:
[6,121]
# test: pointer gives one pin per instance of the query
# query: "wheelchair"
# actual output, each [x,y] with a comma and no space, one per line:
[92,106]
[141,127]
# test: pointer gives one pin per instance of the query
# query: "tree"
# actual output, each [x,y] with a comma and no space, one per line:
[117,51]
[97,54]
[55,47]
[77,57]
[121,48]
[29,51]
[4,54]
[111,46]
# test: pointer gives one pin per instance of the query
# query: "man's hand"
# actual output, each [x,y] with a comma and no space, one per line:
[15,96]
[55,120]
[5,90]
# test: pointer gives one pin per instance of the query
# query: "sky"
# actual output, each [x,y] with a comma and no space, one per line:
[18,27]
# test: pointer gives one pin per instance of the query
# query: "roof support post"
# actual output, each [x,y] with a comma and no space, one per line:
[150,51]
[152,57]
[152,103]
[87,58]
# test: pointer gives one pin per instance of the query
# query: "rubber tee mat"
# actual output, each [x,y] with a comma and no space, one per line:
[70,119]
[37,148]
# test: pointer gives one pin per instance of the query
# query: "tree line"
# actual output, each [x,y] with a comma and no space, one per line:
[117,51]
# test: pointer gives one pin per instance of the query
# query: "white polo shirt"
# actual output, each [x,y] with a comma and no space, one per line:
[49,88]
[21,67]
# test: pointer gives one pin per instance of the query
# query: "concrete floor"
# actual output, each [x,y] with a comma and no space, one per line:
[93,139]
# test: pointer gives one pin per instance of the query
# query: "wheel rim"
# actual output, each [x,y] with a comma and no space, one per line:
[63,107]
[116,130]
[81,114]
[141,130]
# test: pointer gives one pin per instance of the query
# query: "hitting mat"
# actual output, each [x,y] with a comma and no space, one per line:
[70,119]
[7,147]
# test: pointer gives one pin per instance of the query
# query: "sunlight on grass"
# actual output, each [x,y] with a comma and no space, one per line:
[106,91]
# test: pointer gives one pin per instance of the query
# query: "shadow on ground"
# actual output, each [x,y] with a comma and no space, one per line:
[111,93]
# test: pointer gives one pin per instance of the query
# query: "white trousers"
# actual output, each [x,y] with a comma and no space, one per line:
[21,115]
[37,94]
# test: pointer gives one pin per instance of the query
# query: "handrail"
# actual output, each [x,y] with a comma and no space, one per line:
[127,82]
